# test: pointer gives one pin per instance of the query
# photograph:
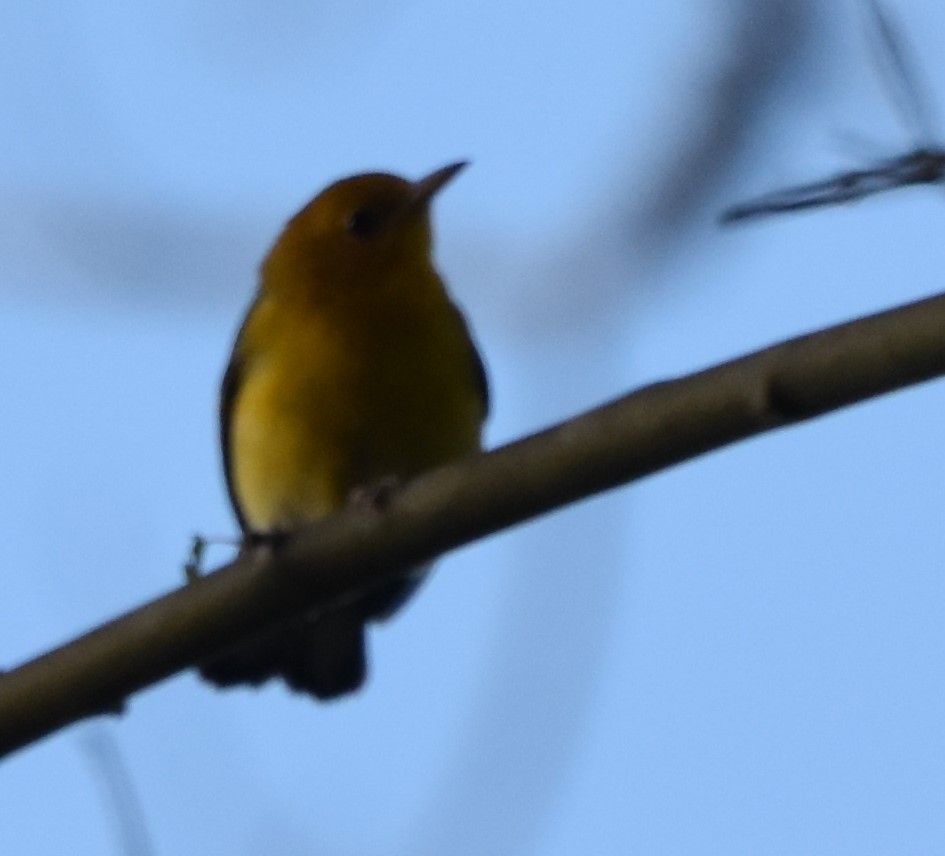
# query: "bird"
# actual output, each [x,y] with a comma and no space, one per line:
[353,369]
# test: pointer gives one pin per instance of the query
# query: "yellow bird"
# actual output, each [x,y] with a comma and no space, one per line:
[352,367]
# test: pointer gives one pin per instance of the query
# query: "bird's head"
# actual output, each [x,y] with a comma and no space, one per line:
[360,231]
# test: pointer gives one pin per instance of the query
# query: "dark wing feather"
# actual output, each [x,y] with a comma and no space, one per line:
[482,379]
[232,380]
[478,367]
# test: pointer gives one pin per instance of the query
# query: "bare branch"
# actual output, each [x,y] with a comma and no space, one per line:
[631,437]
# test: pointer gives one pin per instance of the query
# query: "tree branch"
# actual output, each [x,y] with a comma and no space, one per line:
[631,437]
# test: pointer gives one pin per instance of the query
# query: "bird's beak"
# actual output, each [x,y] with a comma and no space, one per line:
[426,188]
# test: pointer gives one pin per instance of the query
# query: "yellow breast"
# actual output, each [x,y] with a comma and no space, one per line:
[332,398]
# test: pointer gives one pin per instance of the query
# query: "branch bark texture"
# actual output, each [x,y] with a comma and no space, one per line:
[626,439]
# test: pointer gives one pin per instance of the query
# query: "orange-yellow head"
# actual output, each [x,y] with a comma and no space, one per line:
[359,232]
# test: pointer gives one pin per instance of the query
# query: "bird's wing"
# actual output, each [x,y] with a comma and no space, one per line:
[232,380]
[478,367]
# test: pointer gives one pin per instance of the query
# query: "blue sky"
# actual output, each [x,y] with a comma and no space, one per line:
[741,655]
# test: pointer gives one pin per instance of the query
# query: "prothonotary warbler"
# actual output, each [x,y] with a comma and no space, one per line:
[351,368]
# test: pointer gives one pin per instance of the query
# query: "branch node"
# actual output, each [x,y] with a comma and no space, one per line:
[783,404]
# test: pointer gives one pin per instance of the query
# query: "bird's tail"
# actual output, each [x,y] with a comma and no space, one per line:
[322,655]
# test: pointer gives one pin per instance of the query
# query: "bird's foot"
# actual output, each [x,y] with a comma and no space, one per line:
[375,497]
[193,567]
[272,540]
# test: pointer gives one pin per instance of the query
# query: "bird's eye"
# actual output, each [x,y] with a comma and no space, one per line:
[363,223]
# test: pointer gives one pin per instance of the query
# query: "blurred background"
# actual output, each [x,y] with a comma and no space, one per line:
[742,655]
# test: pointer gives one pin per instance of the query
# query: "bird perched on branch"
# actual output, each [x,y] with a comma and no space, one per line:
[352,367]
